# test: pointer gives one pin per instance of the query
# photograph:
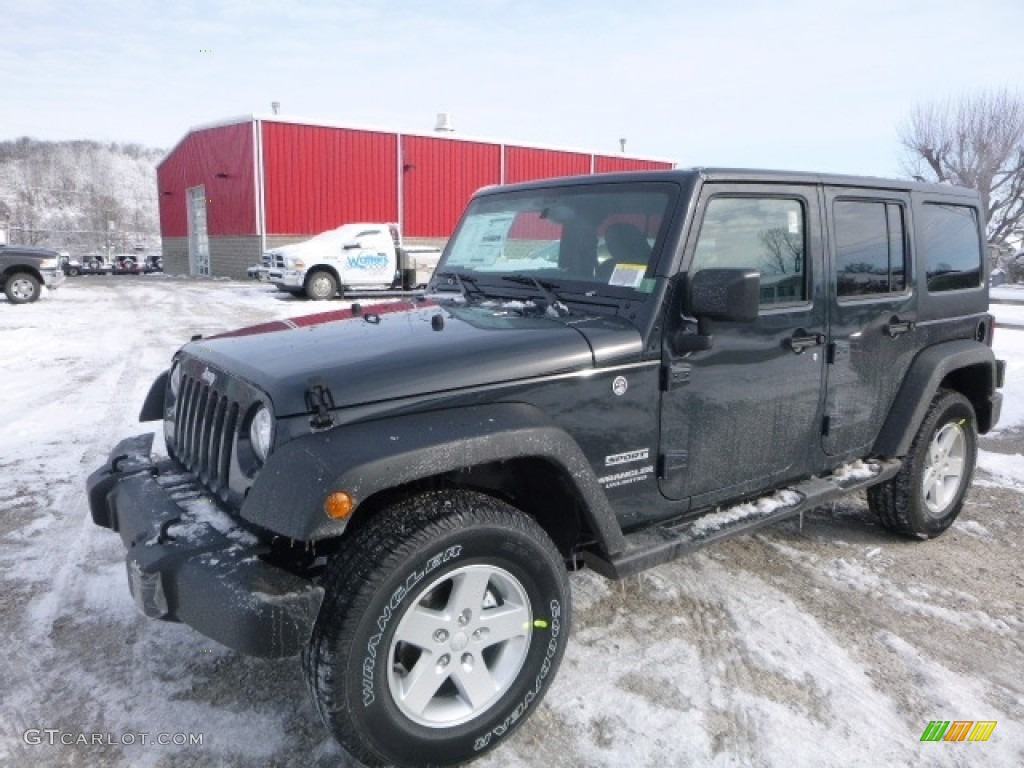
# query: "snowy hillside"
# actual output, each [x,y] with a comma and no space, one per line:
[65,194]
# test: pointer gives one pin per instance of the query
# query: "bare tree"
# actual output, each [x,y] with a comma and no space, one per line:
[976,141]
[784,252]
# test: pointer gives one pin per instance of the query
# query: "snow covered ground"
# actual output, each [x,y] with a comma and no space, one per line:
[821,642]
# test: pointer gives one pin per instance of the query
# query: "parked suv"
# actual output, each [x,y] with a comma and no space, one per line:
[395,491]
[24,269]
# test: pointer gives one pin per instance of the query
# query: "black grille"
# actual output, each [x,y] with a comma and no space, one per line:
[204,430]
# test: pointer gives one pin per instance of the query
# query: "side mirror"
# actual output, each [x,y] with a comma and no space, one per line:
[730,295]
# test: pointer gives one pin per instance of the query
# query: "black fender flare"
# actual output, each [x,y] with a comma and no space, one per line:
[368,457]
[153,405]
[923,379]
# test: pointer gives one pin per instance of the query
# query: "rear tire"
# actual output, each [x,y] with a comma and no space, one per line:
[21,288]
[321,285]
[444,622]
[927,494]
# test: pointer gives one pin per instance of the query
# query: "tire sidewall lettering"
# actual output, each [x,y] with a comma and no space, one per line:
[390,609]
[483,741]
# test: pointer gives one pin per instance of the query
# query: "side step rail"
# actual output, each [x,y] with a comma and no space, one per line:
[669,539]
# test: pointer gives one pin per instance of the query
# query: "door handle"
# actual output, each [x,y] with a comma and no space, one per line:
[801,340]
[896,327]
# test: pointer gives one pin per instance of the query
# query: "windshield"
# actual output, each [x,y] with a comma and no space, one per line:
[593,234]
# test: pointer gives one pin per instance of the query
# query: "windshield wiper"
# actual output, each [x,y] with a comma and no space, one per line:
[547,289]
[461,281]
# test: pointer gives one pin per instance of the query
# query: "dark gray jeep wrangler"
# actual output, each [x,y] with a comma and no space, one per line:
[603,371]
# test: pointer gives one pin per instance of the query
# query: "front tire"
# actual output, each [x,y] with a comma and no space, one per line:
[444,622]
[321,285]
[21,288]
[927,494]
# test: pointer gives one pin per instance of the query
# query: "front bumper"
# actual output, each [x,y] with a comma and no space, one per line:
[52,278]
[187,561]
[287,278]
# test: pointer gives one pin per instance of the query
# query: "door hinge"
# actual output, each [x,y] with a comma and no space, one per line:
[830,353]
[826,425]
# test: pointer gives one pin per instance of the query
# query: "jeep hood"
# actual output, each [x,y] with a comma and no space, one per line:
[401,350]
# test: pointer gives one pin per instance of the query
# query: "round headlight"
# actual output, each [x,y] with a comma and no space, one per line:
[176,379]
[261,432]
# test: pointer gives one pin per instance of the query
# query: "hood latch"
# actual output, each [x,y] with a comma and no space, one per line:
[319,403]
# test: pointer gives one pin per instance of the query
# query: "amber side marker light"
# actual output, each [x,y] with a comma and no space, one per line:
[339,505]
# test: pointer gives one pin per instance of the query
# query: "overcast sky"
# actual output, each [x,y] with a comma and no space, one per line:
[792,84]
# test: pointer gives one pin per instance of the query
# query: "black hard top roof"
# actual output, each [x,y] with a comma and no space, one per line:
[690,176]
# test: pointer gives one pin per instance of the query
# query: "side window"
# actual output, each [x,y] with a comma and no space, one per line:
[762,233]
[870,248]
[948,239]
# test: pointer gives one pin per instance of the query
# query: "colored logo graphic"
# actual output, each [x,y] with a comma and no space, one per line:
[369,261]
[958,730]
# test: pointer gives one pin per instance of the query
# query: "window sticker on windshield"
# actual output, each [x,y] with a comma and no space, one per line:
[628,275]
[482,240]
[794,222]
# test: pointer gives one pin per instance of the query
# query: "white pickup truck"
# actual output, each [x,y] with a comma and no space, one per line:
[353,257]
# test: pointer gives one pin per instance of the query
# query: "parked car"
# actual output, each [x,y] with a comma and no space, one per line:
[70,265]
[95,264]
[127,264]
[153,262]
[397,492]
[24,269]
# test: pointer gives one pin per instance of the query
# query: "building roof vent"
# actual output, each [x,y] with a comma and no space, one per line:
[444,123]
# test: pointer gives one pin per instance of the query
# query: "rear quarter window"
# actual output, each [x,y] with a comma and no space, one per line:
[949,242]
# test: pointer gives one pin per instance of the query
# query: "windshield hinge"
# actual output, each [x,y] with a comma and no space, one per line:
[674,375]
[320,402]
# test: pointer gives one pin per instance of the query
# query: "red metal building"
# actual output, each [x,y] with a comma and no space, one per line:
[231,190]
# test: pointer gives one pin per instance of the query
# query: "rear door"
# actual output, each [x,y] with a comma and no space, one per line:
[746,414]
[873,312]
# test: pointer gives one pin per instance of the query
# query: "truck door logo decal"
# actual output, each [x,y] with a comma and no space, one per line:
[620,385]
[368,261]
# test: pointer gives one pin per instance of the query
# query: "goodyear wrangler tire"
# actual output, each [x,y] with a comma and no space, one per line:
[444,622]
[927,494]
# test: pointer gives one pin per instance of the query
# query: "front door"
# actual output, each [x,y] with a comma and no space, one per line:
[746,414]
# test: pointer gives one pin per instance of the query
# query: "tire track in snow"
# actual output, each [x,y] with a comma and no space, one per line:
[731,729]
[34,680]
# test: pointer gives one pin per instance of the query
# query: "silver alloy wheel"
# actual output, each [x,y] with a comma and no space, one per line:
[23,288]
[321,286]
[944,468]
[460,646]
